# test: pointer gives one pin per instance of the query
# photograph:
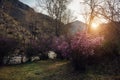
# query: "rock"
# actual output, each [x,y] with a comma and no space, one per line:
[25,59]
[35,58]
[52,55]
[15,60]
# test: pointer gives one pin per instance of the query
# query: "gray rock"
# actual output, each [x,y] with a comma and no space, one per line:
[52,55]
[35,58]
[15,60]
[25,59]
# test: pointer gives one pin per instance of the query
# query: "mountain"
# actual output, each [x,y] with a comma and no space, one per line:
[35,23]
[75,27]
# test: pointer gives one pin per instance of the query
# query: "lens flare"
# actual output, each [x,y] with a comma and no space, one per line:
[94,25]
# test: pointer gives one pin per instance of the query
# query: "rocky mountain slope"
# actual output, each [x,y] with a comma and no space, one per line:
[10,28]
[36,24]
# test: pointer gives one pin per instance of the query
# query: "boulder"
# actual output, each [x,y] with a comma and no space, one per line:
[15,60]
[35,58]
[52,55]
[25,59]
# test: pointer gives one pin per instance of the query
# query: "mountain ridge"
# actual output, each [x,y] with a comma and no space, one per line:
[75,27]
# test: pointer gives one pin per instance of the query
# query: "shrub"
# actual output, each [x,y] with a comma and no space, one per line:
[61,46]
[7,47]
[32,49]
[44,43]
[83,46]
[79,48]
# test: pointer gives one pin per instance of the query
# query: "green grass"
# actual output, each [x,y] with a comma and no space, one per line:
[50,70]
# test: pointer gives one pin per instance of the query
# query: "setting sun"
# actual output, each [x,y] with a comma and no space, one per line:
[94,25]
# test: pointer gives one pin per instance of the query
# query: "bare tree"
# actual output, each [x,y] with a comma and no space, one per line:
[106,9]
[56,10]
[68,17]
[90,13]
[111,10]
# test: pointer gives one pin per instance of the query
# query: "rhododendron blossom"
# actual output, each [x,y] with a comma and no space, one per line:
[81,43]
[84,44]
[60,44]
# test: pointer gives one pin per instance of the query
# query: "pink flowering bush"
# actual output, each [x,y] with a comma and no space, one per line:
[83,46]
[80,45]
[61,46]
[84,43]
[79,48]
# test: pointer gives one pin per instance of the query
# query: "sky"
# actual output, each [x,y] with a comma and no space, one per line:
[74,6]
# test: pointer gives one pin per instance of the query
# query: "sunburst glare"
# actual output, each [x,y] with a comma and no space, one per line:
[94,26]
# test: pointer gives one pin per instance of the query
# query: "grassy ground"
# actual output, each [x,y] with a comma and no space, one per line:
[50,70]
